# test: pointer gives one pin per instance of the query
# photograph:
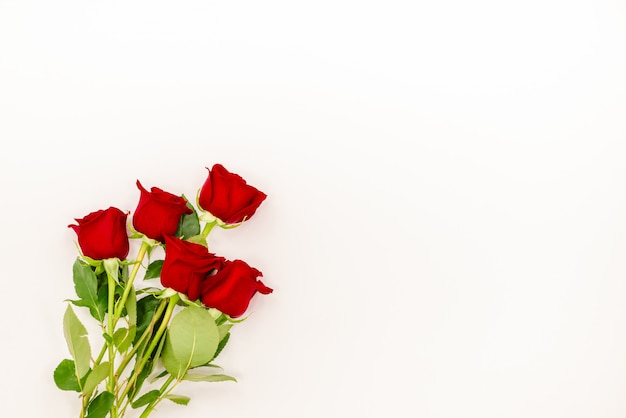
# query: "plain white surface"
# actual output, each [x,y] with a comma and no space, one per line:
[446,221]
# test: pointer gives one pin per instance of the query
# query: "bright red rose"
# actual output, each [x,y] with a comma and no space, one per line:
[186,265]
[228,197]
[158,213]
[232,287]
[102,234]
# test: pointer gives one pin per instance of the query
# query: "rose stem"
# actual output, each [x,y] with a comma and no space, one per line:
[111,383]
[129,284]
[155,340]
[136,347]
[207,228]
[145,334]
[140,255]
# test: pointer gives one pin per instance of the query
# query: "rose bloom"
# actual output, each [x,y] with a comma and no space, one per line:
[232,287]
[228,197]
[158,213]
[102,234]
[186,265]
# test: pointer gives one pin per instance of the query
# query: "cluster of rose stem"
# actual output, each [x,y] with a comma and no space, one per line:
[121,401]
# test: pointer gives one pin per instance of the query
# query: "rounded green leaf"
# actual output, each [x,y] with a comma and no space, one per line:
[189,224]
[65,376]
[192,340]
[123,337]
[154,270]
[170,362]
[101,405]
[194,336]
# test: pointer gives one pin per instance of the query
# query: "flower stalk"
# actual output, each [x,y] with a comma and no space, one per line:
[129,284]
[111,346]
[145,357]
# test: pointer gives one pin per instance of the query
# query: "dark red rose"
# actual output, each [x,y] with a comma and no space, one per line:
[228,197]
[232,287]
[158,213]
[102,234]
[186,265]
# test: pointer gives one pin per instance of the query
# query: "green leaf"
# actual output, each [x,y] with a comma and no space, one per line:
[224,329]
[195,377]
[146,308]
[158,376]
[123,337]
[124,270]
[198,239]
[103,299]
[221,345]
[146,398]
[179,399]
[192,340]
[97,375]
[170,362]
[77,342]
[154,270]
[65,376]
[189,224]
[101,405]
[86,286]
[220,318]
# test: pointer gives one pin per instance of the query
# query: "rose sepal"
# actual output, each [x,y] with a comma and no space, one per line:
[207,217]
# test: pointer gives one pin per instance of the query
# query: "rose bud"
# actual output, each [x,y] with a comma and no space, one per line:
[102,234]
[228,197]
[186,265]
[232,287]
[158,213]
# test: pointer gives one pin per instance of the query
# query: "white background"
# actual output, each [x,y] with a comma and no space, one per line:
[446,223]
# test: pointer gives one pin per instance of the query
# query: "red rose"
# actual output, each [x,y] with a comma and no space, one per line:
[232,287]
[228,197]
[102,234]
[158,213]
[186,265]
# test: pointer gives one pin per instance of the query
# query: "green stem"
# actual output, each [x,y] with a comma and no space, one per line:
[111,328]
[102,353]
[118,312]
[127,358]
[154,403]
[155,341]
[129,284]
[207,228]
[83,408]
[123,403]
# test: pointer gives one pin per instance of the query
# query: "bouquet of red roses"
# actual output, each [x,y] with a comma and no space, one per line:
[155,337]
